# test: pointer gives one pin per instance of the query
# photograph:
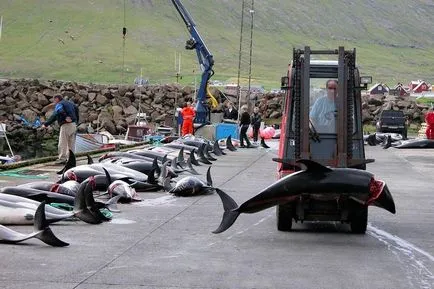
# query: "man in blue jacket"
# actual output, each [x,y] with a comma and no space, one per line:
[66,114]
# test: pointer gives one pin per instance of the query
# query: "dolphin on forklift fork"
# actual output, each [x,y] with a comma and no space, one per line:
[359,185]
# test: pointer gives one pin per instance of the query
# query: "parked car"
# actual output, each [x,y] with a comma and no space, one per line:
[392,121]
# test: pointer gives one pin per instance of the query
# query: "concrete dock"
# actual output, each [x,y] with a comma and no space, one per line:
[166,241]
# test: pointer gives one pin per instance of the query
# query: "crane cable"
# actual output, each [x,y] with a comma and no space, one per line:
[124,33]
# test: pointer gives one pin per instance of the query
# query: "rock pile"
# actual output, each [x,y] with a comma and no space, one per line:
[373,105]
[271,106]
[112,107]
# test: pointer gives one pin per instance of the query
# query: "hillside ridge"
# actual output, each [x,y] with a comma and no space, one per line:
[81,40]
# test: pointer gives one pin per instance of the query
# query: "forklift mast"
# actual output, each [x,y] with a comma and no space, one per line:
[299,138]
[206,62]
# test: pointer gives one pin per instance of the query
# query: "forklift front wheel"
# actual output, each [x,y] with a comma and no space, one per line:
[359,221]
[284,214]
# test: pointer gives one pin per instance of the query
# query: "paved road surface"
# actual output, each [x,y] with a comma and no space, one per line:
[166,242]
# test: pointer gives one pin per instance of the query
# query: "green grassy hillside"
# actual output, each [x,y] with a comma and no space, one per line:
[82,39]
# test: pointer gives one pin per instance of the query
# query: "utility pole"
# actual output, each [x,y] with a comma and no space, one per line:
[239,59]
[252,12]
[1,26]
[178,66]
[246,42]
[124,34]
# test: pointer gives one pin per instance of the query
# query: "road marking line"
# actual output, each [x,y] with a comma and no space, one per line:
[400,242]
[249,227]
[406,254]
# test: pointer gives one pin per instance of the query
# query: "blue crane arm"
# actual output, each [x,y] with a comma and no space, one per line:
[206,62]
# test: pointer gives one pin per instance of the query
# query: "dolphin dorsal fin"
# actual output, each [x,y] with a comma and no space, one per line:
[107,175]
[314,166]
[208,177]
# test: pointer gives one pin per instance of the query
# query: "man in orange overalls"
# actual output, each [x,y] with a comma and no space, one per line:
[188,115]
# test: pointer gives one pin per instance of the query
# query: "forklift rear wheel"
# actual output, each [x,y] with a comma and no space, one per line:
[284,214]
[359,221]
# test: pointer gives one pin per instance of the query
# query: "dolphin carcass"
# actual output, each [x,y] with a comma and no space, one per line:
[41,231]
[318,181]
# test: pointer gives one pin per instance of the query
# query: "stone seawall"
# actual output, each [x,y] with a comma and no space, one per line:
[114,107]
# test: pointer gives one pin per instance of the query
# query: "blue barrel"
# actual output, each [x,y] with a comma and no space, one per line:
[223,130]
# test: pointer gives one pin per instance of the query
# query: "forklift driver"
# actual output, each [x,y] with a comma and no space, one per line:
[323,112]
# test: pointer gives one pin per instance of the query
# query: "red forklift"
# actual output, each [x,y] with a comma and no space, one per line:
[340,145]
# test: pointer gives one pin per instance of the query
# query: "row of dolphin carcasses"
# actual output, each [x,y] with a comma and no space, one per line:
[117,175]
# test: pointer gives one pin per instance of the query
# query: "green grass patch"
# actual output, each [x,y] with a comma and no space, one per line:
[425,100]
[411,130]
[81,40]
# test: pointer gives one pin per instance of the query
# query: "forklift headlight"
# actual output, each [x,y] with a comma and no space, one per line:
[284,83]
[365,79]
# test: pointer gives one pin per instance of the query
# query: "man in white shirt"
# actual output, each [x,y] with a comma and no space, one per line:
[323,112]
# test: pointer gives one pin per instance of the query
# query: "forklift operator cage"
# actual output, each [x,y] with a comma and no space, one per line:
[299,138]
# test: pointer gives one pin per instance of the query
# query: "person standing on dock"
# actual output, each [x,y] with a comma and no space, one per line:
[230,114]
[188,115]
[244,125]
[66,114]
[255,120]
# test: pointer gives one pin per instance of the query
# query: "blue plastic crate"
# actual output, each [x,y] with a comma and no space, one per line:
[223,130]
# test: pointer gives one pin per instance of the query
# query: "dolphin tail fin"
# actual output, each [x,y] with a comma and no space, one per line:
[229,144]
[193,158]
[80,208]
[388,142]
[166,185]
[164,159]
[90,202]
[87,217]
[156,167]
[151,176]
[208,156]
[70,163]
[180,159]
[164,174]
[202,157]
[230,214]
[372,139]
[174,164]
[208,177]
[216,149]
[111,204]
[190,167]
[45,235]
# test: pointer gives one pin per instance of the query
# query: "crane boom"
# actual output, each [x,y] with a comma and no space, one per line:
[206,62]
